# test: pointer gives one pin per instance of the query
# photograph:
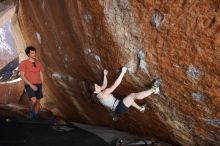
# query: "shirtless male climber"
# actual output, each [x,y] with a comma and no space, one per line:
[117,106]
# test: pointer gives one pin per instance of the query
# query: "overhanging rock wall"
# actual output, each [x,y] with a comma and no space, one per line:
[178,41]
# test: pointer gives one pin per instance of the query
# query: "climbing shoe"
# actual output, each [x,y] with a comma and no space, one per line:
[142,109]
[156,86]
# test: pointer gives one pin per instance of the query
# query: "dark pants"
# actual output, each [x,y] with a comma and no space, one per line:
[120,109]
[31,93]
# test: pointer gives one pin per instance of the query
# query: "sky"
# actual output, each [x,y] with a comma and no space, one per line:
[7,45]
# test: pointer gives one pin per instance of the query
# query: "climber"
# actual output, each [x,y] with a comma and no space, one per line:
[31,71]
[119,107]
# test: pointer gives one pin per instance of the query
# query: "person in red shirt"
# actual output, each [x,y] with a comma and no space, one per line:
[31,71]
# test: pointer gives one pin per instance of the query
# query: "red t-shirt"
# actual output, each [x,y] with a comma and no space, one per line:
[31,73]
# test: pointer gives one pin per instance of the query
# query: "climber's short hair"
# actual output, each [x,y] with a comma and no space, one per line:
[29,49]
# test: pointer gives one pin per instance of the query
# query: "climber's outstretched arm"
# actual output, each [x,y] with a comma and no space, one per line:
[117,82]
[105,82]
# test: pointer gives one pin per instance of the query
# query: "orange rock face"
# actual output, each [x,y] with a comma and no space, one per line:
[11,93]
[178,41]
